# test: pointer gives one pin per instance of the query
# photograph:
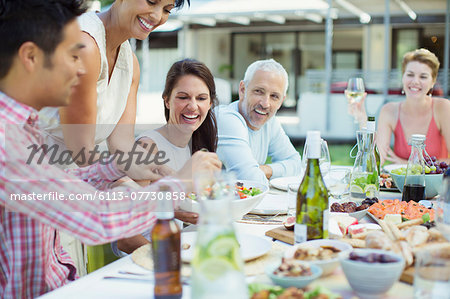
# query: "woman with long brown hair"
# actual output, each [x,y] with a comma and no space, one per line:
[189,97]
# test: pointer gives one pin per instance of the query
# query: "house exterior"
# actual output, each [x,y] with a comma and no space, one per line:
[319,47]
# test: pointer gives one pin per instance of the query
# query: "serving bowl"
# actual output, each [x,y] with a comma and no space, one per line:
[239,207]
[433,183]
[293,281]
[372,280]
[327,265]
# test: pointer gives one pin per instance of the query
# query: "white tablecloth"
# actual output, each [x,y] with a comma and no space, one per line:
[95,286]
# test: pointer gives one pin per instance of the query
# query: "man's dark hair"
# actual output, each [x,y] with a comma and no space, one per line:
[39,21]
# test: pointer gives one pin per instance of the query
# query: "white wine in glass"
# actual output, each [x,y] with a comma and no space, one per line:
[355,90]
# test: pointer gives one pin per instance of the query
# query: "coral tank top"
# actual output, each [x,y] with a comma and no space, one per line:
[435,143]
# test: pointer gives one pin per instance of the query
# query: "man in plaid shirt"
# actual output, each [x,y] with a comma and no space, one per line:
[39,65]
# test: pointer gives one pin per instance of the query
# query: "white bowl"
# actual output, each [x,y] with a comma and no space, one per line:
[289,281]
[239,207]
[328,265]
[372,280]
[433,183]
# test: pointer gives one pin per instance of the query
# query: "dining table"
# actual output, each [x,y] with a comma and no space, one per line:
[125,279]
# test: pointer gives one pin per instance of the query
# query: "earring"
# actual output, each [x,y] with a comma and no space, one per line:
[430,92]
[403,91]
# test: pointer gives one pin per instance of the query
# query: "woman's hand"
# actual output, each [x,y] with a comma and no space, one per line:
[200,162]
[358,110]
[392,157]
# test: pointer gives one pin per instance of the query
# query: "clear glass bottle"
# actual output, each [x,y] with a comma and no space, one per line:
[312,197]
[414,187]
[365,180]
[217,267]
[372,127]
[166,251]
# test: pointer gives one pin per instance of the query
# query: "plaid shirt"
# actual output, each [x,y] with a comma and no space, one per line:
[32,260]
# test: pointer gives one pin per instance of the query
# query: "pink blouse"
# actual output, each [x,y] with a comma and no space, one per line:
[435,143]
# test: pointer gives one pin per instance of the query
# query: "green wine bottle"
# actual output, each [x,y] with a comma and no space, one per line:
[312,196]
[371,126]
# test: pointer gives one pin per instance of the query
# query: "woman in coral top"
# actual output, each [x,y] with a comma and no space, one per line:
[420,113]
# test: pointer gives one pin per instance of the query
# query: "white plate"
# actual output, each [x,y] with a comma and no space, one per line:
[251,246]
[390,167]
[272,204]
[283,182]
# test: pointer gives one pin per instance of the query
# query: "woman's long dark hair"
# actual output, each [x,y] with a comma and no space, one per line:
[206,135]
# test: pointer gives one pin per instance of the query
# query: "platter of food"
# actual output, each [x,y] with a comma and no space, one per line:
[354,209]
[387,183]
[397,210]
[406,228]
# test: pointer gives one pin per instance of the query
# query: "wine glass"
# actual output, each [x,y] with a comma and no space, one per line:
[338,182]
[355,90]
[324,160]
[354,93]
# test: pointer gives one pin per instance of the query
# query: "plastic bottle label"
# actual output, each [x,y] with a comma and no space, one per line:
[299,233]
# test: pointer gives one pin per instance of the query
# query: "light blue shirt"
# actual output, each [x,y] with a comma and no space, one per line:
[242,149]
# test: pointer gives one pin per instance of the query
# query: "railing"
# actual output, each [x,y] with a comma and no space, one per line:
[314,81]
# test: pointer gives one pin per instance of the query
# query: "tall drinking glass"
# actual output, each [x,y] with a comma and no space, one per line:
[443,210]
[217,267]
[432,274]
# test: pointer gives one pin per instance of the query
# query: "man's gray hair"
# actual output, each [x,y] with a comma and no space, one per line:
[268,65]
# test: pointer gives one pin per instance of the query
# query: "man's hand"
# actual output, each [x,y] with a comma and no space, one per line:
[152,171]
[189,217]
[200,162]
[267,170]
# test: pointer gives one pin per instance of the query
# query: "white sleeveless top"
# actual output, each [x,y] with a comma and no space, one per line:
[177,156]
[111,98]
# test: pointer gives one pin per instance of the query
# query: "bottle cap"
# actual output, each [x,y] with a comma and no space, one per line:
[164,203]
[312,136]
[371,124]
[418,137]
[313,140]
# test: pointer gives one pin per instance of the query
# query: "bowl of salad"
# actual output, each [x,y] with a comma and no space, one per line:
[247,195]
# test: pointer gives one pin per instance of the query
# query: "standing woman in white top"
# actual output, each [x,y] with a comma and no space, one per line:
[189,97]
[105,99]
[104,102]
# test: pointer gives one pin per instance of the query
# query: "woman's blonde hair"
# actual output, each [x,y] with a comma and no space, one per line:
[422,56]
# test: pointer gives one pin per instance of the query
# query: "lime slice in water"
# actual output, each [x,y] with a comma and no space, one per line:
[370,190]
[214,267]
[223,246]
[356,189]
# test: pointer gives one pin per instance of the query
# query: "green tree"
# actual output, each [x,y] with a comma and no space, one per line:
[106,2]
